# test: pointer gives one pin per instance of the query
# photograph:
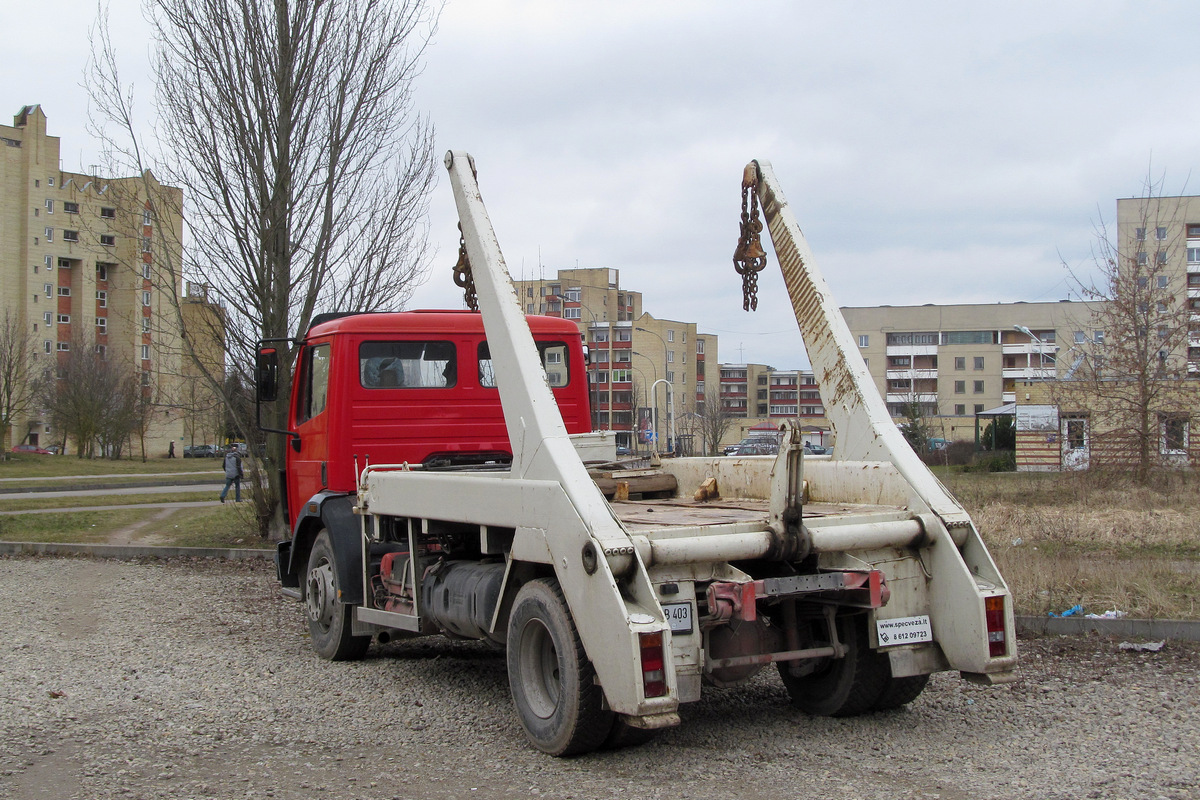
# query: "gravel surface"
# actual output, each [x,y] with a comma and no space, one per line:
[193,679]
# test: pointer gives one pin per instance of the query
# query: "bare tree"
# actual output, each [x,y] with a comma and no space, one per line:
[713,421]
[18,383]
[92,399]
[1128,371]
[289,124]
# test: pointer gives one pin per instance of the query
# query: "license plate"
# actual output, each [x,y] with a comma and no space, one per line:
[904,630]
[679,616]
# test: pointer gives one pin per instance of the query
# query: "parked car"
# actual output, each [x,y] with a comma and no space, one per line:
[32,448]
[815,450]
[200,451]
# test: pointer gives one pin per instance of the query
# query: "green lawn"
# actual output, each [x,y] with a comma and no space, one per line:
[27,465]
[10,503]
[229,525]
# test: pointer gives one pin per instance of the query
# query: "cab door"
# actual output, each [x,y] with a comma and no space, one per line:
[308,455]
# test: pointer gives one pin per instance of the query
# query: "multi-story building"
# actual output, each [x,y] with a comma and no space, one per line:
[758,397]
[948,363]
[640,366]
[86,263]
[1159,237]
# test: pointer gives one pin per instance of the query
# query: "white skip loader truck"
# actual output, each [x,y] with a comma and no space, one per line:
[435,485]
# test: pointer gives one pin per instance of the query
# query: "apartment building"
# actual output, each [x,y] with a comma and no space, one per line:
[1159,240]
[954,361]
[643,370]
[84,261]
[759,396]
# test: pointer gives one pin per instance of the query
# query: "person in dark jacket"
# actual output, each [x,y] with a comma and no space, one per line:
[233,474]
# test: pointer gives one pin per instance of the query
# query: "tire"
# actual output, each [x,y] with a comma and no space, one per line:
[625,735]
[552,681]
[841,687]
[329,619]
[900,691]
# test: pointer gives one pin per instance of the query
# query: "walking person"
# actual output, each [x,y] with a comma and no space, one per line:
[233,474]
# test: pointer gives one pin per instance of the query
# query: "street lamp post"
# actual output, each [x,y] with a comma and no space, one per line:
[670,409]
[670,389]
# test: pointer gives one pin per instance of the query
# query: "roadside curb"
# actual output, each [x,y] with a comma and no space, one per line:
[128,552]
[1182,629]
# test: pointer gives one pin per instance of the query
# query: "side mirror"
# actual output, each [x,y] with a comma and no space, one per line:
[587,355]
[266,371]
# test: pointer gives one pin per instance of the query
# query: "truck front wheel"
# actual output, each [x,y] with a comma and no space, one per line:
[841,687]
[552,681]
[329,619]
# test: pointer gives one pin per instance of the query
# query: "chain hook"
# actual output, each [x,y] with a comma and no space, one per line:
[462,273]
[749,258]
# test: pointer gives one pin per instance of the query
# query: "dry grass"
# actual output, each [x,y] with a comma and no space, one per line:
[1092,539]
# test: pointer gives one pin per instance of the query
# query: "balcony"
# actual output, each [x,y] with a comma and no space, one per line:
[912,349]
[1029,373]
[908,397]
[1008,397]
[908,372]
[1029,349]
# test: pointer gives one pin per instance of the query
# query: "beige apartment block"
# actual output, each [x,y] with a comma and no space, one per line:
[760,398]
[954,361]
[643,370]
[1160,237]
[87,262]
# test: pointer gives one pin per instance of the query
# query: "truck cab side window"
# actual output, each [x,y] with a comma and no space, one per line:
[407,365]
[554,361]
[316,382]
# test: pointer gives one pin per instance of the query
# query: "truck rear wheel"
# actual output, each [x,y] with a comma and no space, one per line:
[841,687]
[552,681]
[900,691]
[329,619]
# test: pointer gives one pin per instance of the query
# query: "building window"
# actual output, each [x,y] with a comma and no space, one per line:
[49,318]
[102,351]
[145,352]
[573,313]
[146,216]
[145,244]
[1160,233]
[978,388]
[108,213]
[64,291]
[146,271]
[978,362]
[48,345]
[699,347]
[70,236]
[145,378]
[49,234]
[108,241]
[1160,257]
[960,387]
[49,206]
[1139,234]
[864,340]
[49,181]
[70,208]
[145,324]
[979,408]
[624,335]
[102,299]
[49,262]
[1174,434]
[64,319]
[1193,255]
[146,299]
[670,356]
[101,271]
[1141,258]
[101,325]
[599,336]
[960,410]
[64,347]
[49,289]
[960,362]
[621,376]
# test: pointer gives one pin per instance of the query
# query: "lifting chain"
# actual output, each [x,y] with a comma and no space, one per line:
[462,273]
[749,258]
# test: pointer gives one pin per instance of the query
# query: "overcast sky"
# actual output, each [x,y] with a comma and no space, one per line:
[932,152]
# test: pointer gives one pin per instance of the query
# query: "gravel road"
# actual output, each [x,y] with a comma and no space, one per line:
[193,679]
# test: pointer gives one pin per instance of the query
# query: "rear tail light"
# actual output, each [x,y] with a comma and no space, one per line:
[993,608]
[654,676]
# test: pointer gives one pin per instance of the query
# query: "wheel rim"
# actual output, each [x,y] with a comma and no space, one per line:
[320,594]
[540,676]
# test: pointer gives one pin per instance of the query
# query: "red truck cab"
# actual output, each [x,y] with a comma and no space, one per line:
[411,386]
